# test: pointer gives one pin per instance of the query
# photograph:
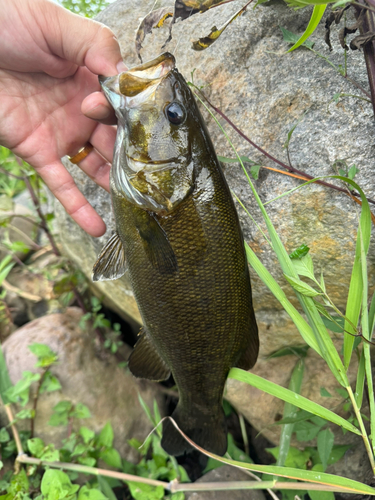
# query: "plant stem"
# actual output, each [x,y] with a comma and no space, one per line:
[368,25]
[8,411]
[284,165]
[175,486]
[362,428]
[35,403]
[370,386]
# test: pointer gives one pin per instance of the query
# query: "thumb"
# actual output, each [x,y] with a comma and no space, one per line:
[81,41]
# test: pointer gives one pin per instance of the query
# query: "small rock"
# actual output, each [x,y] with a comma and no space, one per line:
[225,473]
[87,375]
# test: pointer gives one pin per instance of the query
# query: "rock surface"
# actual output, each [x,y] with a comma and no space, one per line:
[225,473]
[87,375]
[264,91]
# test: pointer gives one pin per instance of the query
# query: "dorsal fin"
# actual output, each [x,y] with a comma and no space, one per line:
[111,263]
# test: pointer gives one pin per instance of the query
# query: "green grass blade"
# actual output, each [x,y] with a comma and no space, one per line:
[316,16]
[356,288]
[5,382]
[302,325]
[360,383]
[289,410]
[330,481]
[291,397]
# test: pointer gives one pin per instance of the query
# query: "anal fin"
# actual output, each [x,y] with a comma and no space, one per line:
[111,263]
[250,354]
[145,361]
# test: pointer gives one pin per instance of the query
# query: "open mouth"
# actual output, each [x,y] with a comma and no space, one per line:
[152,166]
[150,74]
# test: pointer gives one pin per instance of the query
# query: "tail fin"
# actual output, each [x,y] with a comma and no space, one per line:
[208,431]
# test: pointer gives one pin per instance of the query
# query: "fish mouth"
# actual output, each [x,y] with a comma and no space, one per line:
[138,165]
[149,74]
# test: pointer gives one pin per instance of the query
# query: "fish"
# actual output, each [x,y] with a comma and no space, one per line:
[179,239]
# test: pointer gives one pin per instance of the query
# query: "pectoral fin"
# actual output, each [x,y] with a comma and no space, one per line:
[111,263]
[250,354]
[145,361]
[156,244]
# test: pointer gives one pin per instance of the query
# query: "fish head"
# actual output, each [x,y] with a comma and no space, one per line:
[153,159]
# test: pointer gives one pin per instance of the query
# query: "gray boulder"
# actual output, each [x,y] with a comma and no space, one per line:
[264,91]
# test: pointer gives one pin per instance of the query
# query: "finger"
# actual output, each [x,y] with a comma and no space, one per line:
[97,163]
[81,41]
[96,107]
[103,139]
[97,168]
[62,185]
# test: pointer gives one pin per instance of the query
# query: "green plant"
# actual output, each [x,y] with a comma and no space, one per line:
[85,8]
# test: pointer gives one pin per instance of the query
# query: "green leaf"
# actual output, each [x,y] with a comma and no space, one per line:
[291,397]
[19,393]
[325,393]
[19,484]
[177,496]
[331,325]
[300,351]
[5,383]
[106,488]
[303,327]
[50,383]
[140,491]
[321,495]
[306,431]
[301,287]
[304,266]
[354,299]
[87,434]
[36,446]
[111,457]
[63,407]
[290,37]
[85,493]
[325,445]
[90,461]
[316,16]
[81,411]
[105,437]
[295,458]
[57,485]
[4,435]
[50,454]
[300,252]
[45,355]
[289,411]
[353,170]
[254,170]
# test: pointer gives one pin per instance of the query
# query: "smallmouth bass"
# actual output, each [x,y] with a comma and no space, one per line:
[179,237]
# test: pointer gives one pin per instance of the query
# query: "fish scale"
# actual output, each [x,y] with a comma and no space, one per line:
[185,257]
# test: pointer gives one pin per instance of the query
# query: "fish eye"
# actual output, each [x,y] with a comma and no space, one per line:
[175,113]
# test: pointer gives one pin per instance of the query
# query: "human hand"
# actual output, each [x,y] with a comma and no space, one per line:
[49,62]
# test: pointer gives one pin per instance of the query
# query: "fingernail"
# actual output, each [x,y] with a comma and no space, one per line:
[121,67]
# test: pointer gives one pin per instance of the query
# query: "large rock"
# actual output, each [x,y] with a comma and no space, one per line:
[87,375]
[263,90]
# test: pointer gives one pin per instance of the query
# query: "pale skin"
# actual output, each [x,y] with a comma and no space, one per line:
[51,103]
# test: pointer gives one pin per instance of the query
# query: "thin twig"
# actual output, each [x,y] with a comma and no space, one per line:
[16,436]
[21,293]
[268,155]
[35,403]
